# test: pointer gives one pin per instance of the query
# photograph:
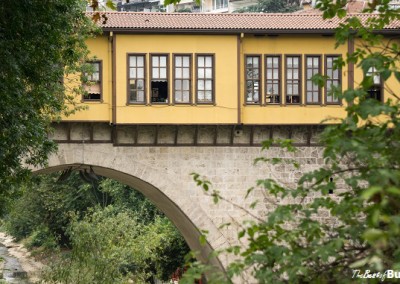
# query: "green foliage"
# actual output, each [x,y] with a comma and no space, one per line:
[40,42]
[54,211]
[41,237]
[271,6]
[113,246]
[345,215]
[184,10]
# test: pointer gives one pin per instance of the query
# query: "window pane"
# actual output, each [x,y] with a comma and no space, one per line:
[132,61]
[269,74]
[208,61]
[140,61]
[178,96]
[132,96]
[163,73]
[155,73]
[335,74]
[155,61]
[329,62]
[186,85]
[132,84]
[186,96]
[96,77]
[269,62]
[276,74]
[140,84]
[208,95]
[140,96]
[178,61]
[186,73]
[208,73]
[140,73]
[200,61]
[208,85]
[295,62]
[178,85]
[289,62]
[132,72]
[200,84]
[201,73]
[178,73]
[295,89]
[255,74]
[200,95]
[296,74]
[255,62]
[289,89]
[163,61]
[186,61]
[309,73]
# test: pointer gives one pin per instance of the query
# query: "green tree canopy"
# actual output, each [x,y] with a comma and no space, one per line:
[40,42]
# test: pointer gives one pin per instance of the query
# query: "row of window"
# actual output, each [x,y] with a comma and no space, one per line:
[279,78]
[182,78]
[159,79]
[290,83]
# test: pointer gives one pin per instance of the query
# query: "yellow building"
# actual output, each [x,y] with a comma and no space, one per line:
[250,69]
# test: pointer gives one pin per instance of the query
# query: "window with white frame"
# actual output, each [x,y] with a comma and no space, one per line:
[220,4]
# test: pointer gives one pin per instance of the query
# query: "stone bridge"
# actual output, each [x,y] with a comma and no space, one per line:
[158,161]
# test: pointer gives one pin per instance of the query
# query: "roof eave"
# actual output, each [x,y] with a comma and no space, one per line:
[219,31]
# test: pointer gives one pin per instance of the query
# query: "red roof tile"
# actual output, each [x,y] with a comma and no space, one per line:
[247,22]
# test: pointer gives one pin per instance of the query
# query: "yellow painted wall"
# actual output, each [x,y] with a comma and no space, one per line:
[224,49]
[289,45]
[226,52]
[100,49]
[391,86]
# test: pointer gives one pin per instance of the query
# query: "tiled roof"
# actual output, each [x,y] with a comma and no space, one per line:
[247,22]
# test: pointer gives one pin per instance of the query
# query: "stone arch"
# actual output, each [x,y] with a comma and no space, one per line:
[112,162]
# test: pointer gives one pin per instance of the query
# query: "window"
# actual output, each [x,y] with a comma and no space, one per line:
[182,80]
[220,4]
[333,79]
[93,86]
[293,80]
[272,79]
[159,79]
[313,91]
[375,92]
[136,79]
[205,78]
[252,79]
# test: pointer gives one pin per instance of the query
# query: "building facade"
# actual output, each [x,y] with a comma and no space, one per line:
[218,69]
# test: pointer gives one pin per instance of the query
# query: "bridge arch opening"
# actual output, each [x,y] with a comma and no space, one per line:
[164,203]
